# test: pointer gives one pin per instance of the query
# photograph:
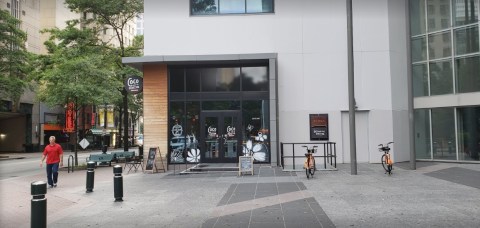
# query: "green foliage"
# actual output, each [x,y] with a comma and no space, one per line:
[75,69]
[14,58]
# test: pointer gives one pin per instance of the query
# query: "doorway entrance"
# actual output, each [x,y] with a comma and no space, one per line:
[220,136]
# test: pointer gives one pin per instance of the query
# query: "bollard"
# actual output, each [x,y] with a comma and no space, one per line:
[90,176]
[38,205]
[118,183]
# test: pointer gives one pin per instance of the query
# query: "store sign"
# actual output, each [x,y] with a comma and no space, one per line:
[134,84]
[70,118]
[318,126]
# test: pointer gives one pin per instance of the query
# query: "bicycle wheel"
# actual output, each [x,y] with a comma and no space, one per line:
[384,163]
[307,172]
[312,168]
[390,167]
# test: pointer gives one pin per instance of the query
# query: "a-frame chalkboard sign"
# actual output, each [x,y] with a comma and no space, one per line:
[151,165]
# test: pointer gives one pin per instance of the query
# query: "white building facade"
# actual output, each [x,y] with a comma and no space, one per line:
[295,53]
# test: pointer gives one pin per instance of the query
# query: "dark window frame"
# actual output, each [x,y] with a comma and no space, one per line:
[218,10]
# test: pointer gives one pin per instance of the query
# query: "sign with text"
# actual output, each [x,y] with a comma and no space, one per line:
[134,84]
[245,164]
[152,153]
[318,126]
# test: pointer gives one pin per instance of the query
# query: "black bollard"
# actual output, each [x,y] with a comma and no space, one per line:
[39,205]
[90,176]
[118,183]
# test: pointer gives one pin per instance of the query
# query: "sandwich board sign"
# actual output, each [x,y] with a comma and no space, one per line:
[245,165]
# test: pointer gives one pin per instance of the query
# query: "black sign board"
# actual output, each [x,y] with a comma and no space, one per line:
[134,84]
[151,158]
[318,126]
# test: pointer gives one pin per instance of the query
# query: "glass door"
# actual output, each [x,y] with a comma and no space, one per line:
[220,136]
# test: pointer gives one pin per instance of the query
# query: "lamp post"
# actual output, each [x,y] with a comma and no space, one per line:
[104,148]
[351,91]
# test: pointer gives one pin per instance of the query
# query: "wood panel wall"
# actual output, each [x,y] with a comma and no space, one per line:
[155,106]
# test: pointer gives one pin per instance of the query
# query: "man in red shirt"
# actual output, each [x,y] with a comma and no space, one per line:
[54,154]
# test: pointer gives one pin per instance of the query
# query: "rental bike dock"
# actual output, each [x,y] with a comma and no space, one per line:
[292,156]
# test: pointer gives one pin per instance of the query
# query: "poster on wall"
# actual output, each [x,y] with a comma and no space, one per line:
[318,126]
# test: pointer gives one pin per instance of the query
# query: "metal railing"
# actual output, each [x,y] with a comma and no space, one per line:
[73,163]
[329,154]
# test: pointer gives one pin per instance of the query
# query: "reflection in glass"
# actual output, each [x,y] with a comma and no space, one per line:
[443,134]
[466,40]
[255,79]
[177,142]
[417,17]
[437,42]
[467,74]
[230,136]
[176,80]
[192,131]
[221,105]
[200,7]
[469,133]
[465,12]
[420,80]
[193,80]
[256,129]
[419,49]
[422,134]
[438,11]
[220,79]
[232,6]
[441,78]
[259,6]
[211,137]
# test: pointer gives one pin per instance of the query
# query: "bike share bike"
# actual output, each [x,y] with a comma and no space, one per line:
[309,164]
[387,161]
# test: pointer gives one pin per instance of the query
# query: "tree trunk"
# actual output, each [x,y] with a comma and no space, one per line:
[75,122]
[120,123]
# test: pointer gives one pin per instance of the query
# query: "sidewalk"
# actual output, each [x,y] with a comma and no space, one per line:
[434,195]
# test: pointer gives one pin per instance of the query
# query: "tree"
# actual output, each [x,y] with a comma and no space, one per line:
[75,71]
[14,59]
[114,14]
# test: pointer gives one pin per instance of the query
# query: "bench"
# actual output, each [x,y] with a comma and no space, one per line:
[122,155]
[101,158]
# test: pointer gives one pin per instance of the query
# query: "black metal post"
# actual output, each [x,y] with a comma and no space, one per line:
[38,205]
[281,155]
[293,151]
[118,183]
[90,176]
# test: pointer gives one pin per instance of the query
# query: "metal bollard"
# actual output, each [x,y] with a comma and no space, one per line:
[90,176]
[38,205]
[118,183]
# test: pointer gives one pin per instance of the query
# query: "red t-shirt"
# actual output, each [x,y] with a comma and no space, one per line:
[53,153]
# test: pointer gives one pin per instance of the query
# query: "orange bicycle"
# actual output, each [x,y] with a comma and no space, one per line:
[387,161]
[309,164]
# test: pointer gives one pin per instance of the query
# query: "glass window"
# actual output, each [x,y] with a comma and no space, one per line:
[193,80]
[443,134]
[420,80]
[192,131]
[422,134]
[177,132]
[220,79]
[417,17]
[256,127]
[259,6]
[255,79]
[419,49]
[177,80]
[206,7]
[467,74]
[465,12]
[202,7]
[466,40]
[221,105]
[437,42]
[441,78]
[469,133]
[438,10]
[232,6]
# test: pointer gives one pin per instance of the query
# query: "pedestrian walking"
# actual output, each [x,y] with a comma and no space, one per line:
[54,154]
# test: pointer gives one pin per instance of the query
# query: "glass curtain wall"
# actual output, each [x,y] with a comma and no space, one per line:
[445,61]
[193,90]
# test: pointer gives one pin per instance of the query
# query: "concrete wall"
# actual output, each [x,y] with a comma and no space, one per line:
[12,134]
[310,38]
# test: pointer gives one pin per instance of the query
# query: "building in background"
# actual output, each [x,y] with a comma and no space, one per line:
[28,130]
[226,77]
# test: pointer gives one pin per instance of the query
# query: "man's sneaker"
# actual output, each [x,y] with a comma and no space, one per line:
[50,186]
[55,185]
